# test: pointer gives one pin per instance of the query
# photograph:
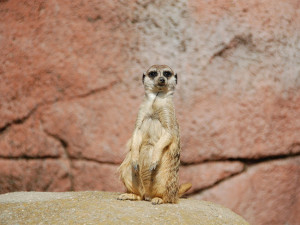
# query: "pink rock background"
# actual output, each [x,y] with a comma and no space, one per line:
[70,87]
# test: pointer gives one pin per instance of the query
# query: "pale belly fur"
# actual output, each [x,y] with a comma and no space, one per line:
[152,130]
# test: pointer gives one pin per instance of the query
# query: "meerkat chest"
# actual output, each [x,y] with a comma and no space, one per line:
[152,128]
[152,106]
[151,125]
[154,110]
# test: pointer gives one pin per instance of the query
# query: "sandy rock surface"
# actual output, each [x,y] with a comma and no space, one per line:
[104,208]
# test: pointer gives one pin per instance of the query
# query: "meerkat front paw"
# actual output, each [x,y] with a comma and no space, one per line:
[153,166]
[156,201]
[135,166]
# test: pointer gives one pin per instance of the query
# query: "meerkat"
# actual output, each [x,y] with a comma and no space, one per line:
[150,168]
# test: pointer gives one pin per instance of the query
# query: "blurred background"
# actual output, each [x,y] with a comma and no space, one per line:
[70,88]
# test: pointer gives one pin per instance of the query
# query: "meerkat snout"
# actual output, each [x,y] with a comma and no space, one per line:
[161,81]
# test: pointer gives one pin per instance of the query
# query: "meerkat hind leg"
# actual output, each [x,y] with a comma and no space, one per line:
[129,196]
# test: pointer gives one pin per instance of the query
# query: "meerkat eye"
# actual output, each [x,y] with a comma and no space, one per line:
[167,74]
[152,74]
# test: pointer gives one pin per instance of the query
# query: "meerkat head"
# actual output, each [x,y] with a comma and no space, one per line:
[159,78]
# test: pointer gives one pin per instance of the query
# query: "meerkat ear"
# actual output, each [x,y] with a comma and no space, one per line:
[175,77]
[143,77]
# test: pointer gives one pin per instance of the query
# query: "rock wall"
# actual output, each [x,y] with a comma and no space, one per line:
[70,87]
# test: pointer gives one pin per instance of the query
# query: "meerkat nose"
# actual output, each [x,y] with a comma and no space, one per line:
[161,80]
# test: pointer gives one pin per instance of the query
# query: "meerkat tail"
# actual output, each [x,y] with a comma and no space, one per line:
[184,188]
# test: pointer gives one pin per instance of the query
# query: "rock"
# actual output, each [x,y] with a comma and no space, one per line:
[103,207]
[35,174]
[52,51]
[267,193]
[28,140]
[222,128]
[95,176]
[207,174]
[57,175]
[93,127]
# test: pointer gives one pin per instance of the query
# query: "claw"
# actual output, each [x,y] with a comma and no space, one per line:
[153,166]
[135,166]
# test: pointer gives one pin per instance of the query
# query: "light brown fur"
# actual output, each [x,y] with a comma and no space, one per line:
[150,169]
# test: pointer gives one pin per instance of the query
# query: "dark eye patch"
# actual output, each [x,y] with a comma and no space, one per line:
[167,74]
[152,74]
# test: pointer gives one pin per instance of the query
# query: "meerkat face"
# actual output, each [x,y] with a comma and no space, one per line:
[159,78]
